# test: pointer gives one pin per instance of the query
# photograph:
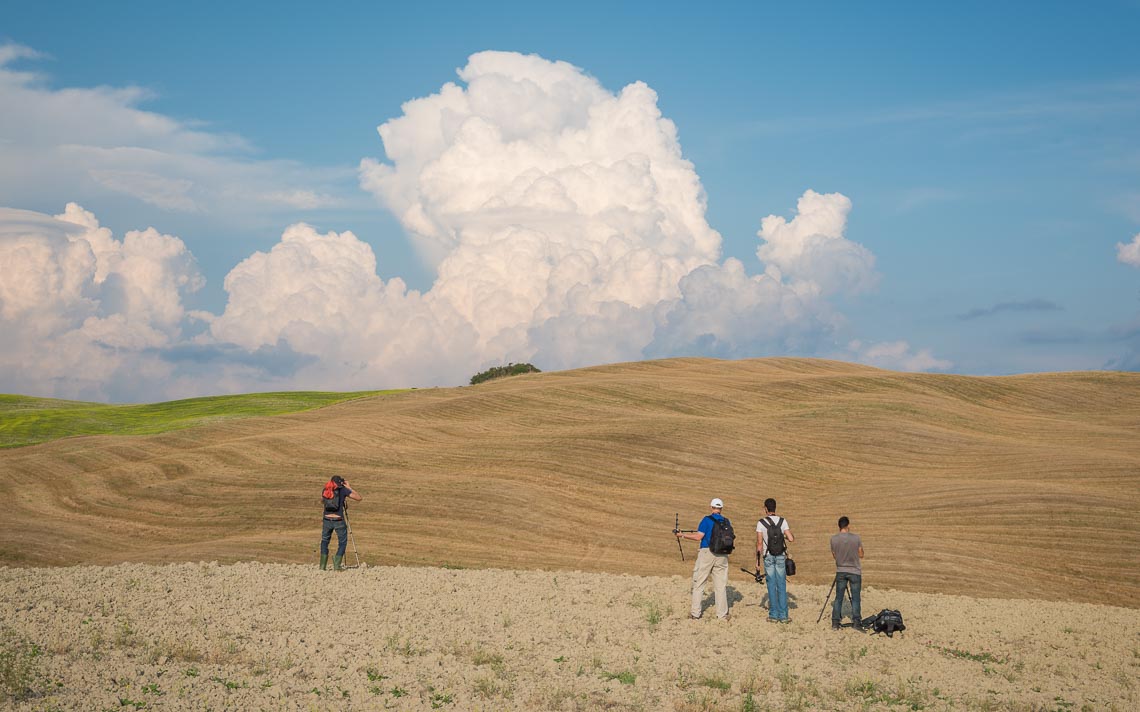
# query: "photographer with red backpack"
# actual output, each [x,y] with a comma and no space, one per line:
[717,540]
[333,496]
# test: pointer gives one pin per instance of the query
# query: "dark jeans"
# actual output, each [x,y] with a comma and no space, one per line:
[341,530]
[841,582]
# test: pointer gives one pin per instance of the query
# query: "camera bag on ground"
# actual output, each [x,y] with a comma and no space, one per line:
[776,544]
[885,621]
[722,540]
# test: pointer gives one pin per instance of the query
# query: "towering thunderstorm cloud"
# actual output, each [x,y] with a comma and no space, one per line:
[563,224]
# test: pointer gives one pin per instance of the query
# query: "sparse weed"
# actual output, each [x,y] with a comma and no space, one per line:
[488,688]
[439,700]
[404,648]
[374,675]
[625,677]
[715,682]
[124,635]
[906,693]
[653,609]
[966,655]
[683,681]
[561,699]
[20,672]
[703,702]
[229,684]
[153,689]
[482,657]
[754,683]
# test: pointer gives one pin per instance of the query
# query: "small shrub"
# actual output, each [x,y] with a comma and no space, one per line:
[511,369]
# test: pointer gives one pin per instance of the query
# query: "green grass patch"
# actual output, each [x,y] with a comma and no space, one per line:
[716,683]
[967,655]
[625,677]
[27,421]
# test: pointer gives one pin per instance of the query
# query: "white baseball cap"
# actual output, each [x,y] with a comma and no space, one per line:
[716,503]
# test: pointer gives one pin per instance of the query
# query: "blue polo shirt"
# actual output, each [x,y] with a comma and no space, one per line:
[706,527]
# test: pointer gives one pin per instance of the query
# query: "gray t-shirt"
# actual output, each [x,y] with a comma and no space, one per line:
[845,549]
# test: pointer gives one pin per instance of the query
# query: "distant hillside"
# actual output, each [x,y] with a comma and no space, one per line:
[26,421]
[1015,487]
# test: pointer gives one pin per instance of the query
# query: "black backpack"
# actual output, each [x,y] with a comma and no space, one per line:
[722,540]
[885,621]
[776,544]
[332,504]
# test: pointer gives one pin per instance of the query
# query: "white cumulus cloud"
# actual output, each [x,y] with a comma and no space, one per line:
[563,224]
[83,313]
[896,356]
[1129,253]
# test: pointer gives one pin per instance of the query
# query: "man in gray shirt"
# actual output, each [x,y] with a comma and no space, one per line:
[847,548]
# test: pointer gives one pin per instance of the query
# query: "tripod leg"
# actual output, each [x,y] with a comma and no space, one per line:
[351,538]
[817,620]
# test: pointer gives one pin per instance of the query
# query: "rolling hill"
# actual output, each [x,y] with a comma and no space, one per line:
[1011,487]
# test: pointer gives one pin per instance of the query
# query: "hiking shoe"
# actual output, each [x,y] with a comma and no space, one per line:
[834,625]
[773,620]
[726,617]
[785,620]
[694,618]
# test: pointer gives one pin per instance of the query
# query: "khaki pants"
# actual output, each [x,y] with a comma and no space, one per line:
[709,563]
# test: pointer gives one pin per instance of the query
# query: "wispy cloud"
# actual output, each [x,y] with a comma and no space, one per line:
[1117,333]
[1029,305]
[91,143]
[1058,102]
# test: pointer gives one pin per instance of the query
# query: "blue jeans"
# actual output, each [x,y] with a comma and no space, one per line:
[341,530]
[841,582]
[777,577]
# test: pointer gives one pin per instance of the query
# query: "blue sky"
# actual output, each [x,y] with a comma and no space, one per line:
[990,151]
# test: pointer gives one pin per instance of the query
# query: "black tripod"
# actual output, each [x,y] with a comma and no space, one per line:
[351,538]
[847,588]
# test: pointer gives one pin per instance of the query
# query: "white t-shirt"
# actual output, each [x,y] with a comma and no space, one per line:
[763,530]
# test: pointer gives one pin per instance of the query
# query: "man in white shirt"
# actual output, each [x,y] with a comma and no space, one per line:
[772,537]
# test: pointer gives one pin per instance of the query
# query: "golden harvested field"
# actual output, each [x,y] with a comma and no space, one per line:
[1011,487]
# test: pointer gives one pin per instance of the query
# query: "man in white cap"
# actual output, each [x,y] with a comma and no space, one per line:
[708,562]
